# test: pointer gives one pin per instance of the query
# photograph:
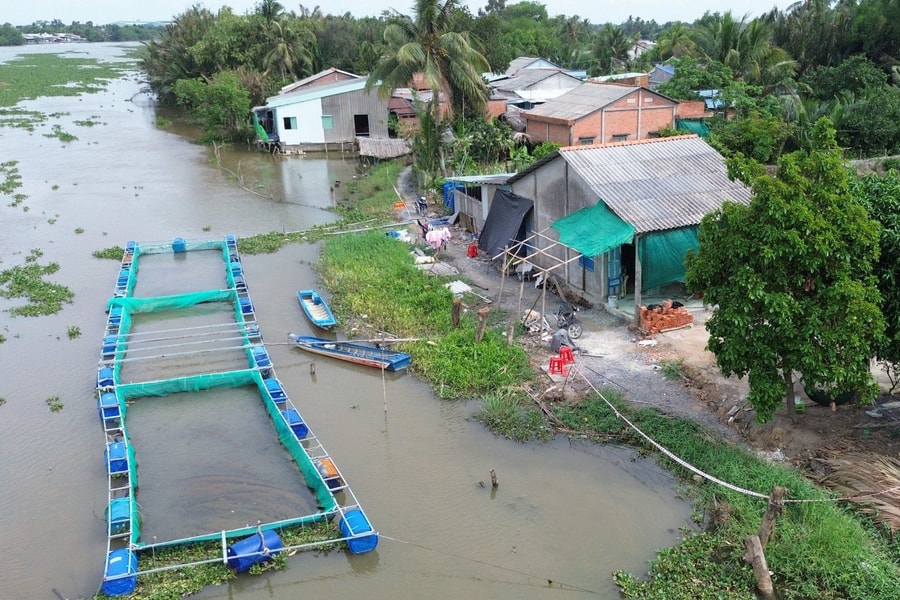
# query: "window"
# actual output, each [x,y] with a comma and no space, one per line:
[621,137]
[290,122]
[327,122]
[586,141]
[648,99]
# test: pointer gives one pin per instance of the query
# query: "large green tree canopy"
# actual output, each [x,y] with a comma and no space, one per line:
[791,278]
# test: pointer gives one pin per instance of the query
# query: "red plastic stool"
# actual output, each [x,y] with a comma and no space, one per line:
[565,353]
[557,366]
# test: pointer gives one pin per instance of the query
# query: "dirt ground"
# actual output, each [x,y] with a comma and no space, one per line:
[616,355]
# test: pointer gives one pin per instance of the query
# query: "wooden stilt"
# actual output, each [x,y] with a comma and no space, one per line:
[494,482]
[456,312]
[757,559]
[482,316]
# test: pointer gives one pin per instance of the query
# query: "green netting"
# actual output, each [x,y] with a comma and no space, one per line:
[195,383]
[164,247]
[176,302]
[190,383]
[261,134]
[662,255]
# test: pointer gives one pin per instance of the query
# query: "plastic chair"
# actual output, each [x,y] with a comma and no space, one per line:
[565,353]
[557,366]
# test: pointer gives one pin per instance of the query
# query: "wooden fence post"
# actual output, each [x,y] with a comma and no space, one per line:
[455,312]
[755,544]
[482,315]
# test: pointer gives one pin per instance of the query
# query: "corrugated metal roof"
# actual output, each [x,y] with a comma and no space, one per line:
[657,184]
[529,77]
[581,101]
[317,92]
[494,179]
[529,62]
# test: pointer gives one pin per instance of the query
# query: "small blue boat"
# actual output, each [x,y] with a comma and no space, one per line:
[316,309]
[355,352]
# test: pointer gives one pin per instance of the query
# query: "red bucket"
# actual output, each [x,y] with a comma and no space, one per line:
[472,251]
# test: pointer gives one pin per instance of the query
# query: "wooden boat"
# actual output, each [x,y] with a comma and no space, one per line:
[355,352]
[316,309]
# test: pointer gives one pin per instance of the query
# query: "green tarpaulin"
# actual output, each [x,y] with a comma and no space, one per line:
[662,255]
[593,230]
[698,127]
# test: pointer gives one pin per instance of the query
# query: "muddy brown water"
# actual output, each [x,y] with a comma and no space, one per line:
[564,517]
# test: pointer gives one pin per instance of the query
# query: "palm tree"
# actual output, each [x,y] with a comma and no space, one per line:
[448,61]
[675,42]
[611,49]
[269,10]
[168,58]
[746,48]
[290,52]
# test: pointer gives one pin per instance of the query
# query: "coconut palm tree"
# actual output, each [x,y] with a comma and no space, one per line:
[168,58]
[290,52]
[611,49]
[675,42]
[269,9]
[746,47]
[426,45]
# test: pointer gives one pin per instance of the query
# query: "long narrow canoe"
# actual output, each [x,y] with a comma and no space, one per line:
[354,352]
[317,311]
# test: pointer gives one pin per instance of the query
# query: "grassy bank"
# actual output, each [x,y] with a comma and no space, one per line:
[820,548]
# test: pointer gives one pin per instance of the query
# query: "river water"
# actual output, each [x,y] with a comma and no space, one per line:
[564,517]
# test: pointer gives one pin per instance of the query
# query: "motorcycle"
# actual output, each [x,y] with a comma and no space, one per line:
[566,319]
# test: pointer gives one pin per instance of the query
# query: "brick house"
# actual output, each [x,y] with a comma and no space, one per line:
[595,113]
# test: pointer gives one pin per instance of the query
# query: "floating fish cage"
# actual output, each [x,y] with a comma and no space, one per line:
[120,344]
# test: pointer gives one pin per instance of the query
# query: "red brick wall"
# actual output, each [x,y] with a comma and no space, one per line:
[622,118]
[691,109]
[541,131]
[619,118]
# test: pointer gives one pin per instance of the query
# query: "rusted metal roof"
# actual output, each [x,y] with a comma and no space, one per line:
[657,184]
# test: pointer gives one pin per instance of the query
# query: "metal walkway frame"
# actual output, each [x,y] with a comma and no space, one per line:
[334,497]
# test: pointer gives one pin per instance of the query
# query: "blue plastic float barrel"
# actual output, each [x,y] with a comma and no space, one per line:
[275,390]
[257,548]
[246,306]
[355,525]
[109,346]
[295,422]
[231,241]
[129,247]
[236,268]
[261,356]
[105,378]
[179,245]
[118,515]
[116,458]
[115,315]
[120,578]
[108,406]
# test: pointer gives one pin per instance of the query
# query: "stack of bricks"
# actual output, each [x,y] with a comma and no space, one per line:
[663,317]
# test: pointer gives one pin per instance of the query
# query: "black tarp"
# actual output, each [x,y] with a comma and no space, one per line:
[505,222]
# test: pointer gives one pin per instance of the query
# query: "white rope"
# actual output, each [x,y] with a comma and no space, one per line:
[665,451]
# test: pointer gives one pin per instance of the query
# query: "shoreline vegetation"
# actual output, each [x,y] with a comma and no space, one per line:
[819,548]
